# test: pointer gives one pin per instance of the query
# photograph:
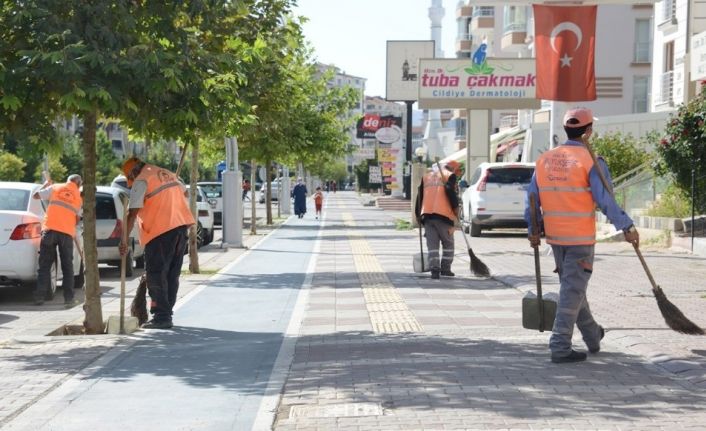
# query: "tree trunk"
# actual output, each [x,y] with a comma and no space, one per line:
[253,211]
[193,248]
[268,197]
[93,322]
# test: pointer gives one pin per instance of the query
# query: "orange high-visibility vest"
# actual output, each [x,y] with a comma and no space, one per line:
[565,194]
[63,209]
[165,206]
[434,200]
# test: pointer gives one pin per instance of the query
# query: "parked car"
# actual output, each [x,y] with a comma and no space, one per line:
[214,194]
[204,226]
[495,197]
[120,182]
[275,191]
[109,230]
[20,234]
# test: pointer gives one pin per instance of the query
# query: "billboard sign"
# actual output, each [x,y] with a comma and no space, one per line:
[402,67]
[374,175]
[388,135]
[496,83]
[371,123]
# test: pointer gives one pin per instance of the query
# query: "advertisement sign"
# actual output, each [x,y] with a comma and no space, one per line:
[389,135]
[367,126]
[374,175]
[385,155]
[402,67]
[496,83]
[365,153]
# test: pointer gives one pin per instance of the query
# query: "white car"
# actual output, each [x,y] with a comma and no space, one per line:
[109,230]
[275,191]
[496,196]
[214,193]
[204,227]
[20,234]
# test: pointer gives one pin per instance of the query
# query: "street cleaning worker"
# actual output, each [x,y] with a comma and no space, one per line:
[158,204]
[63,213]
[567,188]
[437,208]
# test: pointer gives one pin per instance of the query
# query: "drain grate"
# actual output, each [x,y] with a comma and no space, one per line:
[336,410]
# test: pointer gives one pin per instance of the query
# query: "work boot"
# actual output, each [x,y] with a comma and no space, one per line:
[164,324]
[597,348]
[447,273]
[435,275]
[574,356]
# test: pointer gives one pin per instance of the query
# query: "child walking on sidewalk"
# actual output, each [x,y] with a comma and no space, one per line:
[318,201]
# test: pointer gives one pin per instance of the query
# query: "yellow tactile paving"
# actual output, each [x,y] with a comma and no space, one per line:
[387,310]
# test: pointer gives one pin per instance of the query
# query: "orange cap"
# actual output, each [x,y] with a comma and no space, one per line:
[454,167]
[128,165]
[578,117]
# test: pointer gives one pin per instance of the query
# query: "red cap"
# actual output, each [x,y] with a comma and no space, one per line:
[578,117]
[454,167]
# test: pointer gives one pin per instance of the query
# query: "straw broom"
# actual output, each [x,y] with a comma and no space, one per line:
[674,318]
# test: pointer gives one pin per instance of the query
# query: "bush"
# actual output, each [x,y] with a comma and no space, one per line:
[11,167]
[621,152]
[683,148]
[673,202]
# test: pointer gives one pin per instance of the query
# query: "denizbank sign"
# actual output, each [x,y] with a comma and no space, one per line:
[494,83]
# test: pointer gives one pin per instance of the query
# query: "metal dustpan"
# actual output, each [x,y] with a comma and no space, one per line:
[419,264]
[531,311]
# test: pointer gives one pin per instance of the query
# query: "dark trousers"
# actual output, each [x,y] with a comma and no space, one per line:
[51,240]
[163,258]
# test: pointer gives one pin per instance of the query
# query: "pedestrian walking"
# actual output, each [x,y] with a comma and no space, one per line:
[246,189]
[437,208]
[63,213]
[318,201]
[567,187]
[158,204]
[299,194]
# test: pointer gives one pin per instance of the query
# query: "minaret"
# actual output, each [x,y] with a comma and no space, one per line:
[431,140]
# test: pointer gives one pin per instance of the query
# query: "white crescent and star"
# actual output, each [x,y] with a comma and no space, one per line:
[566,26]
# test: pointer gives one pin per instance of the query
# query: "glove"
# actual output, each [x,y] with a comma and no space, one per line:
[632,235]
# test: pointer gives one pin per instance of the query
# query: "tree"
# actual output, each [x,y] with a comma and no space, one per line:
[620,151]
[11,167]
[682,149]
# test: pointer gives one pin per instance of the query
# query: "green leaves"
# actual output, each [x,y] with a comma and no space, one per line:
[10,103]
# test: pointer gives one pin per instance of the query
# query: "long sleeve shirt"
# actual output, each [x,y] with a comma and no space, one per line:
[602,197]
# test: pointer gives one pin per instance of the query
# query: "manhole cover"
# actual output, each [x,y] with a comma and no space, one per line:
[336,410]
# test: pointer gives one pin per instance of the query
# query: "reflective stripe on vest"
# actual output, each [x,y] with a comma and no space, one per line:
[434,200]
[64,206]
[165,206]
[562,176]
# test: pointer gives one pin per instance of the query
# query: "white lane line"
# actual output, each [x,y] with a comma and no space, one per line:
[264,420]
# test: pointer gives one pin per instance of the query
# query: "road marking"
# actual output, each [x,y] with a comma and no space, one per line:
[387,310]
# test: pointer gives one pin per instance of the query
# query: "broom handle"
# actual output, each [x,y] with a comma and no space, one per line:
[610,190]
[537,272]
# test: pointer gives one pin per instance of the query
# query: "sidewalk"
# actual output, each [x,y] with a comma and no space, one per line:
[384,348]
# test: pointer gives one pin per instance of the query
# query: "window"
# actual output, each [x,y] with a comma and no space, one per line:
[640,94]
[643,41]
[515,19]
[668,57]
[14,199]
[518,175]
[105,207]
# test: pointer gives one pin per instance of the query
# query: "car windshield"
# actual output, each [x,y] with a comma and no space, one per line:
[14,199]
[105,207]
[520,175]
[212,190]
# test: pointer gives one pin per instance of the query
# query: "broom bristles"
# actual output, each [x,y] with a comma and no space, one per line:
[674,318]
[477,266]
[138,308]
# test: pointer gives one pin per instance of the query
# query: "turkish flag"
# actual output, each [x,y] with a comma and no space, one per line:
[565,39]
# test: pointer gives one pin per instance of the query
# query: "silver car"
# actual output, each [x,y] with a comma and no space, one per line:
[109,230]
[20,233]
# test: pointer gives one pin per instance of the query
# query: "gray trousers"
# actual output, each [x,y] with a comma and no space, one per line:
[51,240]
[574,264]
[436,232]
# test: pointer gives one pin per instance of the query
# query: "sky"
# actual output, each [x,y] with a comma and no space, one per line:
[352,34]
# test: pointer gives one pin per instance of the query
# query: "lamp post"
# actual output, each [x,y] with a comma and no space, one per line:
[418,169]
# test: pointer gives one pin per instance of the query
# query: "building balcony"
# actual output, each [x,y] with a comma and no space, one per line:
[483,11]
[666,89]
[513,41]
[464,11]
[464,45]
[667,17]
[484,22]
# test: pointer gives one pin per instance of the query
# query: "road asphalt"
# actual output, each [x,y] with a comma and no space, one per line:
[322,324]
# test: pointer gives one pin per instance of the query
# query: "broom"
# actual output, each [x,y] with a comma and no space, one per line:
[138,308]
[477,266]
[674,318]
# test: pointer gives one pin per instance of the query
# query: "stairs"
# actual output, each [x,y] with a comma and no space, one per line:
[393,204]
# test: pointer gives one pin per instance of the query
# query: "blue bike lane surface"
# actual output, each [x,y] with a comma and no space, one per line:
[212,370]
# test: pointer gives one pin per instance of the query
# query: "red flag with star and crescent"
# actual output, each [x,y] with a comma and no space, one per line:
[565,39]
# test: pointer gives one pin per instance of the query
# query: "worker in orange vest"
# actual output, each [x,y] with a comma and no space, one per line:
[158,205]
[63,212]
[437,209]
[567,187]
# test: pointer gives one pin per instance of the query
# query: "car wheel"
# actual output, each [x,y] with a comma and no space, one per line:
[80,278]
[200,236]
[53,280]
[475,229]
[129,264]
[211,234]
[140,262]
[466,228]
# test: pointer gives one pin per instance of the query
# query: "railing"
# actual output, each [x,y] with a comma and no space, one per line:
[483,11]
[666,88]
[515,27]
[637,187]
[669,10]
